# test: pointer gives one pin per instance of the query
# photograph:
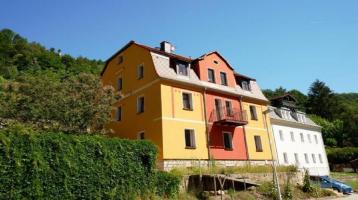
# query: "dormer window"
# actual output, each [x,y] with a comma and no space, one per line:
[182,69]
[246,85]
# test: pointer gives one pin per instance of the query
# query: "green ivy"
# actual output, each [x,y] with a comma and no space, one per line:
[60,166]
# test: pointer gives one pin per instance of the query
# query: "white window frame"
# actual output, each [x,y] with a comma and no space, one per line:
[292,136]
[285,158]
[313,158]
[192,138]
[302,138]
[297,159]
[280,132]
[190,95]
[307,158]
[309,138]
[320,158]
[316,139]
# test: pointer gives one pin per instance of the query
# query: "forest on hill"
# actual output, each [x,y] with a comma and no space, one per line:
[46,89]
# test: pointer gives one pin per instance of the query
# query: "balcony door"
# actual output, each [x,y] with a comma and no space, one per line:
[218,108]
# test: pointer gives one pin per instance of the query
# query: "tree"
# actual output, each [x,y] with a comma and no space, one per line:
[332,131]
[74,104]
[321,100]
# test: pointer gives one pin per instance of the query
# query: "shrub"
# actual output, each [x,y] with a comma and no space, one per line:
[287,192]
[306,187]
[167,184]
[268,189]
[60,166]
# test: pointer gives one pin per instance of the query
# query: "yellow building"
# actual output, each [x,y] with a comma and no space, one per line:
[162,100]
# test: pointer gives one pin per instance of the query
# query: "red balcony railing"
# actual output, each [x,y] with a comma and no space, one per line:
[228,116]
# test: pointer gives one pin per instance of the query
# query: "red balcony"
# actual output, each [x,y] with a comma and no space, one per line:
[228,116]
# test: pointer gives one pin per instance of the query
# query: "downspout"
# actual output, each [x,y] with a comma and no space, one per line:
[206,127]
[243,128]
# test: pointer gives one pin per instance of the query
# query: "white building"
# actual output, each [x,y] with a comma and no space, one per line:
[297,138]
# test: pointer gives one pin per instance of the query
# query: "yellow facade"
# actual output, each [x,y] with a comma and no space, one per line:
[164,119]
[260,127]
[175,120]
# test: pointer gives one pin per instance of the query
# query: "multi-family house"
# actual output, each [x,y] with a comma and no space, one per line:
[298,139]
[194,110]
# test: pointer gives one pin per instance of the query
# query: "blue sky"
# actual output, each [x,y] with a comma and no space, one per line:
[280,43]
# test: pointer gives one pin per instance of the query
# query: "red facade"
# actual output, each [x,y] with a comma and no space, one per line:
[224,113]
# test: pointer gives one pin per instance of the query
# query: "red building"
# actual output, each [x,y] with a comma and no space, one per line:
[223,108]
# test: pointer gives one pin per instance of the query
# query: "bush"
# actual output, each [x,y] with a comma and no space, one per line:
[341,155]
[268,189]
[59,166]
[306,187]
[167,184]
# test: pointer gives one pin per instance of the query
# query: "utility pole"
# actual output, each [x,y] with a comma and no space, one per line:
[272,154]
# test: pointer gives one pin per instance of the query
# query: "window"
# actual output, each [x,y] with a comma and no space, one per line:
[309,138]
[314,158]
[258,143]
[141,135]
[223,78]
[140,72]
[119,114]
[216,62]
[120,59]
[182,69]
[140,104]
[320,158]
[285,159]
[253,113]
[245,85]
[296,159]
[211,75]
[228,106]
[119,84]
[227,140]
[302,138]
[316,139]
[292,136]
[187,101]
[281,135]
[306,158]
[189,138]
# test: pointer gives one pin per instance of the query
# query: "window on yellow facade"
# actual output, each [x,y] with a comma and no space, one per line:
[140,72]
[140,104]
[118,114]
[189,138]
[119,84]
[120,59]
[141,135]
[258,143]
[227,140]
[187,101]
[253,113]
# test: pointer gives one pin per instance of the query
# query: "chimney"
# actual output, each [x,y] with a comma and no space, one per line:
[167,47]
